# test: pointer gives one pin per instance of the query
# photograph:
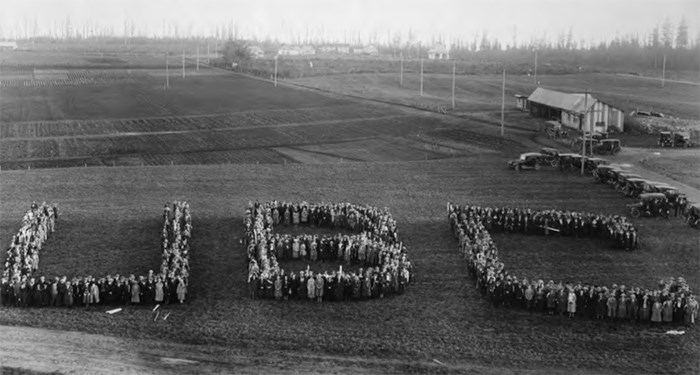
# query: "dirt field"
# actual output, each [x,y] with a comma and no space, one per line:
[293,144]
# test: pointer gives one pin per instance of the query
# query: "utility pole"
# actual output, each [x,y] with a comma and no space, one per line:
[183,63]
[535,67]
[585,120]
[401,75]
[197,58]
[167,72]
[454,77]
[663,72]
[208,51]
[276,58]
[421,76]
[503,102]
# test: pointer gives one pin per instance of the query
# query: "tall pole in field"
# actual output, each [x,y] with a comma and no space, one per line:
[535,67]
[663,72]
[276,58]
[421,76]
[503,102]
[585,120]
[454,77]
[401,75]
[208,51]
[167,72]
[197,58]
[183,64]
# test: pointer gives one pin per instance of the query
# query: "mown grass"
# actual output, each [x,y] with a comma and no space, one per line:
[109,224]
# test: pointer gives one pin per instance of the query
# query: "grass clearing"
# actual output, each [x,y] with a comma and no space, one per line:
[441,315]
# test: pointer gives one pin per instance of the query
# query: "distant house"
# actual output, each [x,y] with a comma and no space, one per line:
[307,50]
[439,52]
[8,45]
[289,51]
[577,111]
[256,52]
[365,50]
[334,48]
[521,102]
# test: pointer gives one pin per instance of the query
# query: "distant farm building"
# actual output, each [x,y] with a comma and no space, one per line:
[308,50]
[289,51]
[334,48]
[256,52]
[365,50]
[439,52]
[575,111]
[8,45]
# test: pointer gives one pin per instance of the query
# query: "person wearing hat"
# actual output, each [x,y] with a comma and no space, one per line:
[311,287]
[656,308]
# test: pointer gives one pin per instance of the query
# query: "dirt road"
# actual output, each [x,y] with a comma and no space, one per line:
[40,350]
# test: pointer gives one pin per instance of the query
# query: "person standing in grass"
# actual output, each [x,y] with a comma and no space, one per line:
[278,288]
[656,310]
[159,295]
[691,311]
[135,292]
[667,311]
[311,287]
[320,283]
[181,290]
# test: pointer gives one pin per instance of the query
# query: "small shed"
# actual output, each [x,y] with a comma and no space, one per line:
[521,102]
[439,52]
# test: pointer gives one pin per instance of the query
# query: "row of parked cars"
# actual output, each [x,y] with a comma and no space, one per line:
[656,199]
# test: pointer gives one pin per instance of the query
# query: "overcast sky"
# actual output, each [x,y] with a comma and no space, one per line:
[591,20]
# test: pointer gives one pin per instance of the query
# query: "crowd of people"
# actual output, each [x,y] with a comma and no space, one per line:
[560,223]
[385,268]
[671,302]
[21,288]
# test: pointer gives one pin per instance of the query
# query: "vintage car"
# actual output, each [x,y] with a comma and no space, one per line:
[591,143]
[674,139]
[665,139]
[607,174]
[607,146]
[550,155]
[554,130]
[529,160]
[651,205]
[591,164]
[570,162]
[622,178]
[692,215]
[634,187]
[657,187]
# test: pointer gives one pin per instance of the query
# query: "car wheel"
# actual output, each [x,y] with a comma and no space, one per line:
[636,213]
[517,167]
[537,167]
[555,163]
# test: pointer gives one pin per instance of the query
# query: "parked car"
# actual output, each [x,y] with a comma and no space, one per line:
[554,130]
[607,146]
[674,139]
[634,187]
[607,173]
[550,155]
[529,160]
[692,215]
[591,164]
[622,178]
[651,205]
[570,162]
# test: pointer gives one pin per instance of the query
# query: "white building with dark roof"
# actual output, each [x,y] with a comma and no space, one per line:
[576,111]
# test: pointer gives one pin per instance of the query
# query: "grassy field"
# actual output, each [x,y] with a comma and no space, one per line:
[442,316]
[292,144]
[483,92]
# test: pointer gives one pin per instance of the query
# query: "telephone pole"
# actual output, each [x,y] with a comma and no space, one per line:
[421,76]
[167,72]
[503,102]
[275,80]
[401,75]
[535,67]
[183,64]
[197,58]
[585,123]
[663,72]
[454,76]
